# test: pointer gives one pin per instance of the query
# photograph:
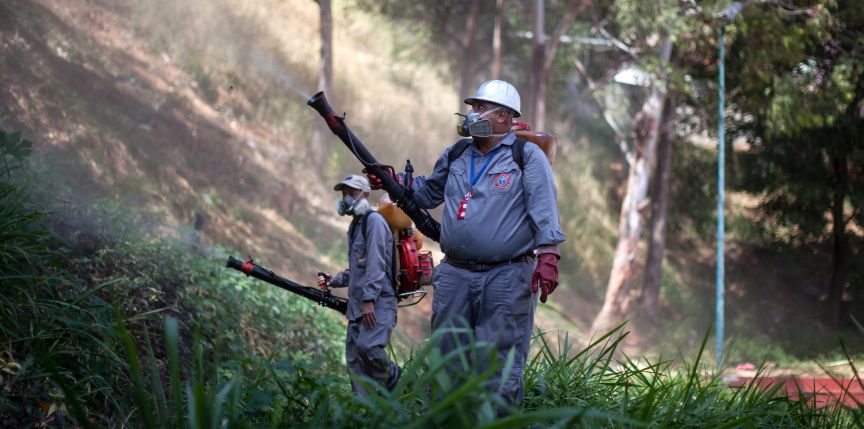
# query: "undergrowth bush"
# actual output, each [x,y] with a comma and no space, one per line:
[74,281]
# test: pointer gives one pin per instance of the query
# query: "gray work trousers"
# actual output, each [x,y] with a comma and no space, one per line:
[366,350]
[497,306]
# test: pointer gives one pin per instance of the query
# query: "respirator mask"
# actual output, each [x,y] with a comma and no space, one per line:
[349,206]
[473,124]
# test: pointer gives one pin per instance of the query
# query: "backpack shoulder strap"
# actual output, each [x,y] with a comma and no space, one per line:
[457,151]
[365,221]
[518,149]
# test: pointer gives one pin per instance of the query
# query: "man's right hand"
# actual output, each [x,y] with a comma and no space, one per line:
[324,280]
[375,182]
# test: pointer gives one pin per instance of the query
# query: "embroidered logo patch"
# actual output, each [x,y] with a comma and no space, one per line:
[502,181]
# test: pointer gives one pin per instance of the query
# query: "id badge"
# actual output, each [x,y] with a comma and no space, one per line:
[463,207]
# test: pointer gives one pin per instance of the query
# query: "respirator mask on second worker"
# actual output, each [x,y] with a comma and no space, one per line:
[349,206]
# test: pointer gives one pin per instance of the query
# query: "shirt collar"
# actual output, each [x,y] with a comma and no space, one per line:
[508,140]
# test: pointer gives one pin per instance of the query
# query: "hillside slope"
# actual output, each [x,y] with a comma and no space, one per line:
[206,129]
[210,147]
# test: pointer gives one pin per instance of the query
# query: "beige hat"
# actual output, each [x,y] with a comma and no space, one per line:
[353,181]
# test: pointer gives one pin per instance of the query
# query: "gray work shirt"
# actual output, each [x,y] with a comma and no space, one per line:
[510,213]
[369,273]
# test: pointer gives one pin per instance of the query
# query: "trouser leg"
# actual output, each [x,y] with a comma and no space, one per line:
[352,360]
[506,319]
[453,305]
[370,350]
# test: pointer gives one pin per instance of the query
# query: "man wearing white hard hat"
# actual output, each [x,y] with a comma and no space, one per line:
[500,231]
[369,278]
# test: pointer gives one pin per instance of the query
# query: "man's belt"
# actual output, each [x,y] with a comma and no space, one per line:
[485,266]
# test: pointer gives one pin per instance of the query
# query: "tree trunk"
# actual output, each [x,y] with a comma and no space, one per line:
[496,40]
[657,228]
[466,73]
[840,258]
[616,305]
[537,59]
[325,77]
[543,57]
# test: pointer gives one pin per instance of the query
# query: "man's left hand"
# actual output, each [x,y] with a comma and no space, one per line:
[367,308]
[546,274]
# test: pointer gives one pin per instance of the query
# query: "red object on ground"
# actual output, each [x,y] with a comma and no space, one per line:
[818,391]
[746,367]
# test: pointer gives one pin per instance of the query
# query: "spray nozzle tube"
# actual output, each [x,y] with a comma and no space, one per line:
[398,193]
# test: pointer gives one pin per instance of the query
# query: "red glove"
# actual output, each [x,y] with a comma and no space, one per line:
[546,274]
[374,181]
[324,280]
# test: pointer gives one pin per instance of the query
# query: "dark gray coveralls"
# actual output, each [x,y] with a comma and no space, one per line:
[484,280]
[368,278]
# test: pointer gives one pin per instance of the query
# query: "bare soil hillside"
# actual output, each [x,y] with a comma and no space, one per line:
[116,115]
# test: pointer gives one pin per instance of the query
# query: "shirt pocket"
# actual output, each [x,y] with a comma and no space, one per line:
[358,251]
[504,179]
[457,179]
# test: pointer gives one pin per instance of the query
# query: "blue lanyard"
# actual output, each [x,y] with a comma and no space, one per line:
[475,179]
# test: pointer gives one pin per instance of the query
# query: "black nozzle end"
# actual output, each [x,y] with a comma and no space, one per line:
[320,104]
[316,99]
[232,262]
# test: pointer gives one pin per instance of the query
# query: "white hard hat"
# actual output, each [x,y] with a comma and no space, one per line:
[498,92]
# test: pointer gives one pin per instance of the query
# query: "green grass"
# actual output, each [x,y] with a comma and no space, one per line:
[564,388]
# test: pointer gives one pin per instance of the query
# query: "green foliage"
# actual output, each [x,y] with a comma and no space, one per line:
[587,224]
[807,159]
[693,192]
[14,148]
[71,287]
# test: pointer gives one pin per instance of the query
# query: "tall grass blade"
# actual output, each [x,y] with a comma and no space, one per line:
[171,350]
[145,409]
[71,398]
[156,382]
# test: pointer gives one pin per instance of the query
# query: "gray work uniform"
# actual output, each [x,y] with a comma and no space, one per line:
[369,278]
[510,213]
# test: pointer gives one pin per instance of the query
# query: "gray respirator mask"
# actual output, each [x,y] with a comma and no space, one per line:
[349,206]
[473,124]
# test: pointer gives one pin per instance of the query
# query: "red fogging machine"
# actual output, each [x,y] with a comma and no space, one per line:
[412,266]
